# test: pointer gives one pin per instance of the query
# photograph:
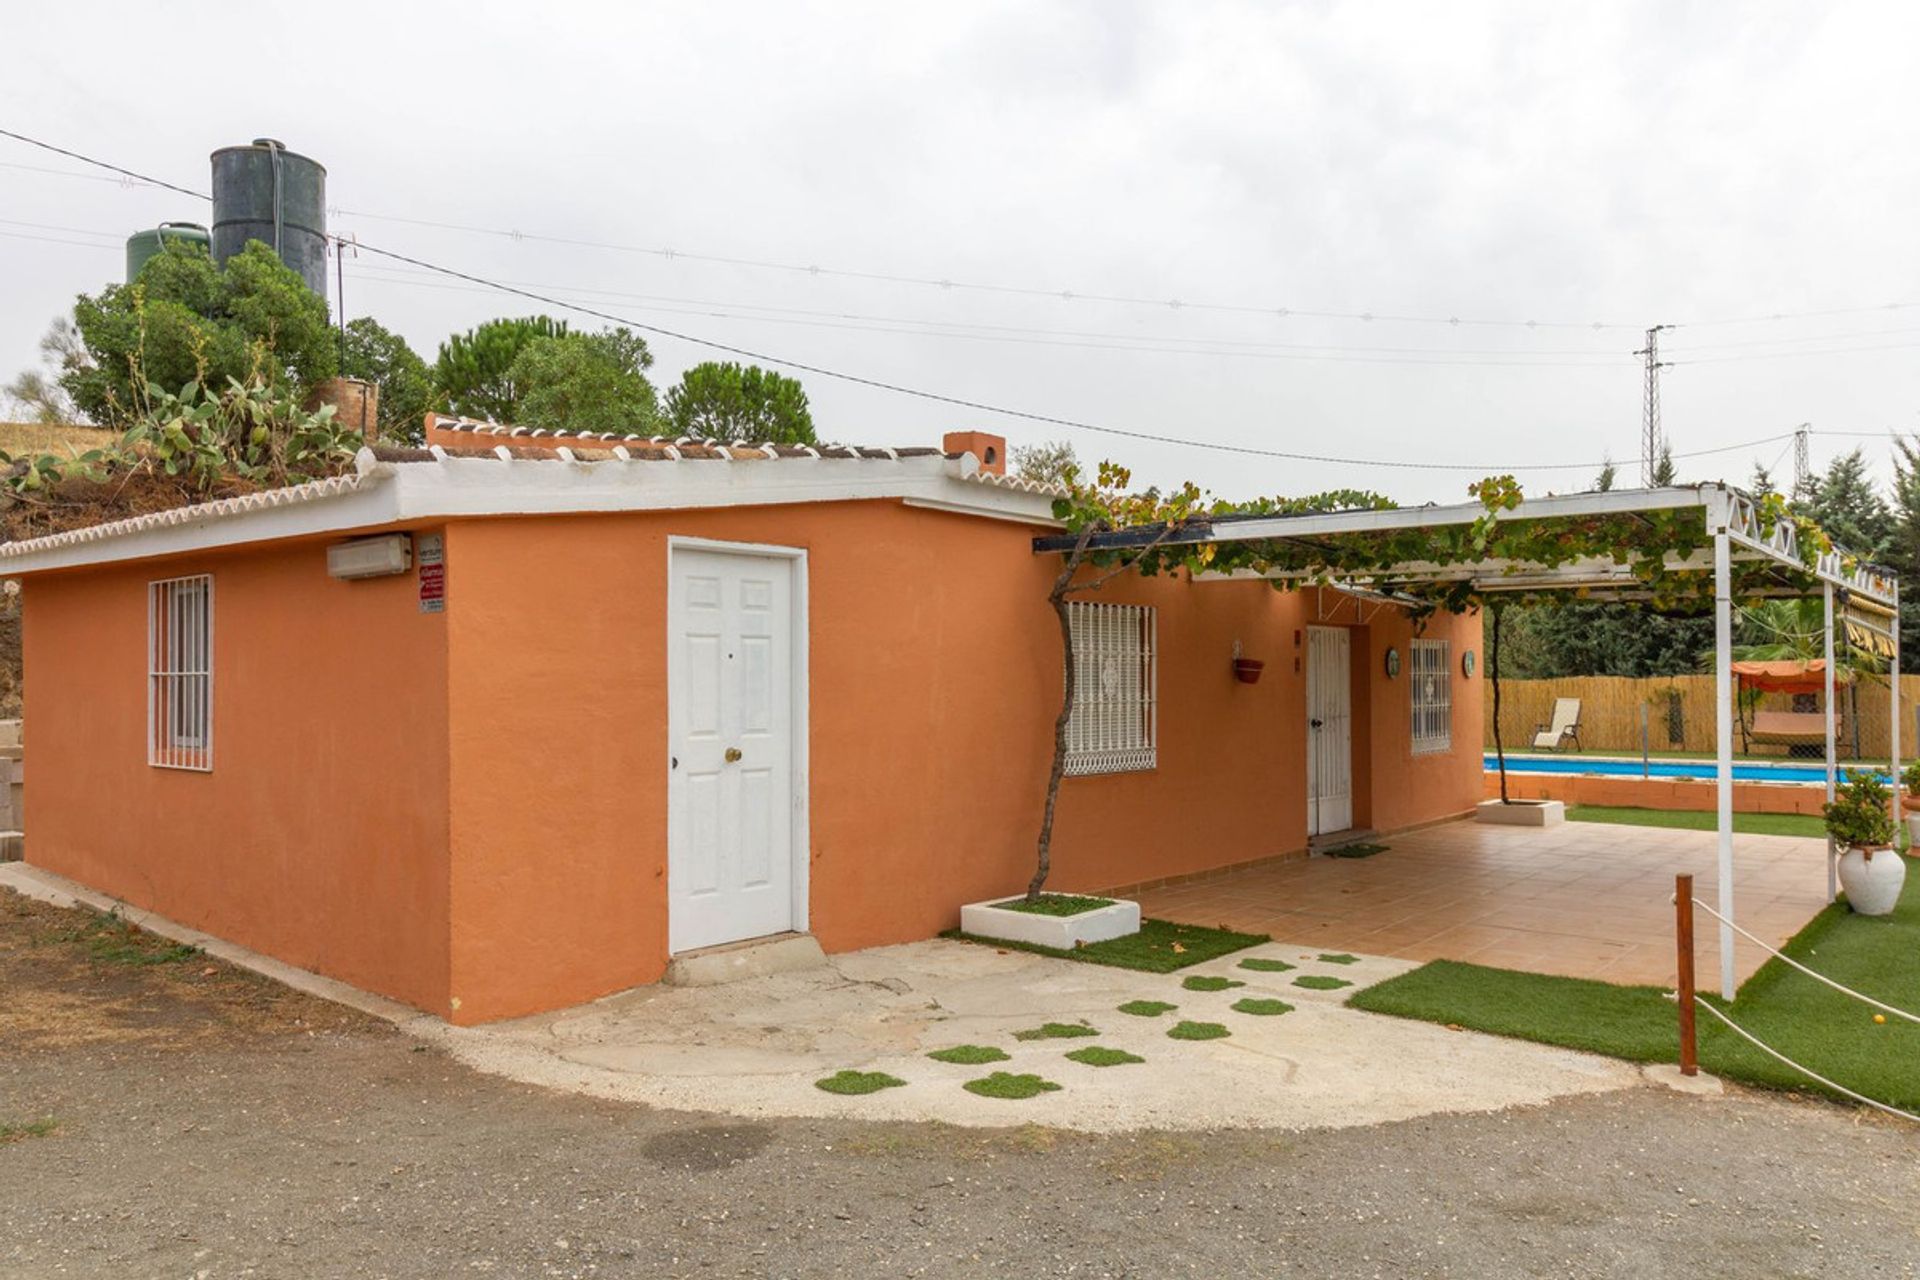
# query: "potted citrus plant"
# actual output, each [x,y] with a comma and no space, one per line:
[1860,820]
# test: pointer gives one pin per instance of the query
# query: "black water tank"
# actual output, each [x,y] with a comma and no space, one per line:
[265,192]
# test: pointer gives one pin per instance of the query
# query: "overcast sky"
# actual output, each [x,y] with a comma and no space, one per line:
[1096,163]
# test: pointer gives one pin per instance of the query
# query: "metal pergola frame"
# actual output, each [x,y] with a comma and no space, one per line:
[1868,595]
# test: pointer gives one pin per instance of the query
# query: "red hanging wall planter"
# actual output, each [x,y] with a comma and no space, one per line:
[1247,670]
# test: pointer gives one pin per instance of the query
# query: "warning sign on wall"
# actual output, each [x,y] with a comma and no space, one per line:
[430,558]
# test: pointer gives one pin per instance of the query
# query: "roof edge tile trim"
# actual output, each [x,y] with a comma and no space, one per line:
[265,500]
[1043,488]
[674,447]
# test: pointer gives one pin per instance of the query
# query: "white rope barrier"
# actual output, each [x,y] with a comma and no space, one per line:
[1755,1041]
[1898,1013]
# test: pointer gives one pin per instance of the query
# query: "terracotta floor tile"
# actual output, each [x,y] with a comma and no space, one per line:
[1581,900]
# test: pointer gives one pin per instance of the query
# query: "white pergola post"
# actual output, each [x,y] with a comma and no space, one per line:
[1893,719]
[1833,855]
[1723,741]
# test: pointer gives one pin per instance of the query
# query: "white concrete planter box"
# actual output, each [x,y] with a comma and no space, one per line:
[1522,813]
[990,920]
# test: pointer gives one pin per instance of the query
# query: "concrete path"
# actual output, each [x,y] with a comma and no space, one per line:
[755,1048]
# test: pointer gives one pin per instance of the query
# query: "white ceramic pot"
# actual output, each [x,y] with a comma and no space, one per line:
[1872,882]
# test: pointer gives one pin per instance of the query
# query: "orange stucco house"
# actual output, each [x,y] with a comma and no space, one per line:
[505,723]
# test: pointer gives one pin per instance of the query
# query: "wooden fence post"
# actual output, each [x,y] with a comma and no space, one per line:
[1683,943]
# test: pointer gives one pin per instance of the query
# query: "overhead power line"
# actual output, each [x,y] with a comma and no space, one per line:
[102,164]
[1428,356]
[949,284]
[761,357]
[1094,340]
[918,392]
[1072,295]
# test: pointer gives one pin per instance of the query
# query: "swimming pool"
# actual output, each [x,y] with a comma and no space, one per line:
[1701,769]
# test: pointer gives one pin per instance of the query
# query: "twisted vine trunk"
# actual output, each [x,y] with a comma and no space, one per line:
[1057,597]
[1493,674]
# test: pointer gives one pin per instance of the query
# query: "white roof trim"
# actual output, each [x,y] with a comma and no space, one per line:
[455,487]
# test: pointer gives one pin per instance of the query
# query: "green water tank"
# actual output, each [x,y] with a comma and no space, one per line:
[142,245]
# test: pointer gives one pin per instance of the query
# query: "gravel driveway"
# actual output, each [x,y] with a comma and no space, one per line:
[203,1125]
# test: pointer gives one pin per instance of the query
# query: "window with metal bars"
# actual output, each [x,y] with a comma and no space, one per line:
[1114,724]
[180,673]
[1432,671]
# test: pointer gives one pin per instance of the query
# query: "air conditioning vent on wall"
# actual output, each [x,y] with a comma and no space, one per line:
[379,557]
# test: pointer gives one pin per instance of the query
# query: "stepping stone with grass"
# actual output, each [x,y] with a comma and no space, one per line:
[1316,982]
[1004,1084]
[1262,1008]
[1147,1008]
[1339,958]
[1198,1031]
[1095,1055]
[1260,964]
[1056,1031]
[854,1082]
[970,1054]
[1206,982]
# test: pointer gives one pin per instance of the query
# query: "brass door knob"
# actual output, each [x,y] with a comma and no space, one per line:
[733,754]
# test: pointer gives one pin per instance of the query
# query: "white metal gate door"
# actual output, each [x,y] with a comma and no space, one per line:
[1329,731]
[730,722]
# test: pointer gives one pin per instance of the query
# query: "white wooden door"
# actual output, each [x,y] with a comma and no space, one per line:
[730,727]
[1329,731]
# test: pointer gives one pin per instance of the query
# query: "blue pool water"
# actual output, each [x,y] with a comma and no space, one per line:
[1742,771]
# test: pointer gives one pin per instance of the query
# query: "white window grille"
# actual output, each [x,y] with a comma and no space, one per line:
[180,673]
[1432,671]
[1114,724]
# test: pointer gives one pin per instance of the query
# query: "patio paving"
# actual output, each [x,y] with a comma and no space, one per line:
[756,1047]
[1586,900]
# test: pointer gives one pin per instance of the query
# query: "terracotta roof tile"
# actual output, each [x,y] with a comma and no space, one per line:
[538,442]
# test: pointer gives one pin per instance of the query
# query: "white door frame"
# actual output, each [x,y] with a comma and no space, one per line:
[1315,825]
[801,828]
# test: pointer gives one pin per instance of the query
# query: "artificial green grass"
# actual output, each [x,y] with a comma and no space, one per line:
[1750,824]
[1002,1084]
[1262,1008]
[1319,982]
[852,1082]
[1056,1031]
[1161,946]
[1579,1013]
[1207,982]
[1260,964]
[1362,850]
[1055,904]
[1830,1033]
[1100,1056]
[1339,957]
[1147,1008]
[970,1054]
[1197,1031]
